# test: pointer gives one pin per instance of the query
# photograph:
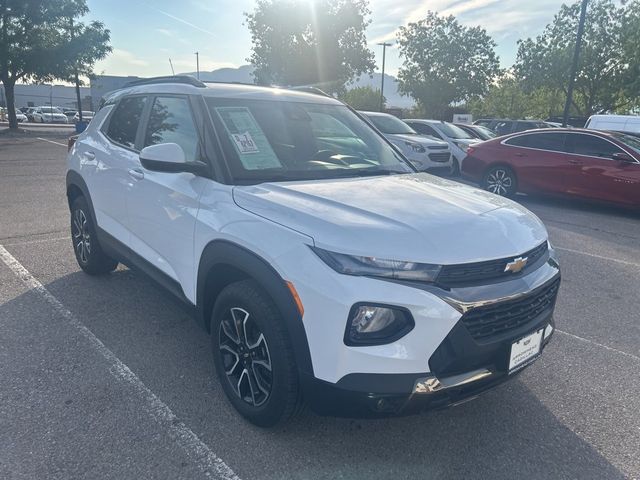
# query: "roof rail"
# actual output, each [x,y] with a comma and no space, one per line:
[167,79]
[309,89]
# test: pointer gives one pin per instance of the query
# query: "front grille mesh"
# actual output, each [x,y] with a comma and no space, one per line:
[486,322]
[439,157]
[469,273]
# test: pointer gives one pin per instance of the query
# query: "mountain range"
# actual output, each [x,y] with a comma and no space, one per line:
[243,74]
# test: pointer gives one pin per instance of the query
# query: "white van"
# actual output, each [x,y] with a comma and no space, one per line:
[619,123]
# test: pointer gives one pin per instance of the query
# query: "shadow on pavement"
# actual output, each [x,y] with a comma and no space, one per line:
[507,433]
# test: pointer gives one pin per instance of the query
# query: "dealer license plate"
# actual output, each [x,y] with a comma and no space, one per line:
[525,350]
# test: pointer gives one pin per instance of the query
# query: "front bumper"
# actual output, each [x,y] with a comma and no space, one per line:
[379,395]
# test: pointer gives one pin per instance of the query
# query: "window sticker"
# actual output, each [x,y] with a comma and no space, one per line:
[250,142]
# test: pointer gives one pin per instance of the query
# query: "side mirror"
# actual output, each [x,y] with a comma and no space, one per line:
[169,158]
[623,157]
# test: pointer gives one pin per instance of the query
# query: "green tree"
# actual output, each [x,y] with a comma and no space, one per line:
[42,40]
[508,99]
[631,52]
[602,75]
[320,42]
[363,98]
[445,63]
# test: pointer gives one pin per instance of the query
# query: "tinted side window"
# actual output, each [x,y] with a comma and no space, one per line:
[124,122]
[171,121]
[554,142]
[591,145]
[522,126]
[503,128]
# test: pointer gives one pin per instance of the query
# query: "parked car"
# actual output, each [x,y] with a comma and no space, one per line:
[618,123]
[458,139]
[323,265]
[29,113]
[425,153]
[4,115]
[583,163]
[49,115]
[21,117]
[502,126]
[477,131]
[87,116]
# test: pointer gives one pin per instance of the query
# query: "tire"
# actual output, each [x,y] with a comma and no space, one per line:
[500,180]
[455,168]
[89,254]
[255,364]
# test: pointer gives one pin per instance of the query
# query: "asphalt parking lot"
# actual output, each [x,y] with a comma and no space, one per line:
[109,378]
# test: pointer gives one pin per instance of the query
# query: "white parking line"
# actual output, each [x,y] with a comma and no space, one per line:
[51,141]
[208,462]
[611,349]
[611,259]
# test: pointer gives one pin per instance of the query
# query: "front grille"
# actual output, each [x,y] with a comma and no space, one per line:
[438,147]
[469,273]
[439,157]
[486,322]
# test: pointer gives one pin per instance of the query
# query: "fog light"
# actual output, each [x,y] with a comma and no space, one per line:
[377,325]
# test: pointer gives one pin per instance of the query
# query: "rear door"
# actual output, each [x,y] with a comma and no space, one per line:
[162,207]
[110,154]
[597,174]
[540,161]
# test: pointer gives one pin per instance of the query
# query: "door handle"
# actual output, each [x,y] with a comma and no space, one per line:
[136,173]
[90,155]
[575,162]
[520,154]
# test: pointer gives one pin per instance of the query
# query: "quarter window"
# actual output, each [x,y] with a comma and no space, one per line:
[542,141]
[123,125]
[592,146]
[171,121]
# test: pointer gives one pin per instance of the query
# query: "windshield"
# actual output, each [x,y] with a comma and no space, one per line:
[50,110]
[629,140]
[451,131]
[282,141]
[390,125]
[485,131]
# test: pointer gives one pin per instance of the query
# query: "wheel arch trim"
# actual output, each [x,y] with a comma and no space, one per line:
[224,253]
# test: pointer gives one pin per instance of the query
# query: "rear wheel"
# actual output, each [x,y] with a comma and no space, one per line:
[89,254]
[500,180]
[253,355]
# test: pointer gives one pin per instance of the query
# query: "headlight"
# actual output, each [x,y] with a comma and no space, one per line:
[415,147]
[462,146]
[376,325]
[378,267]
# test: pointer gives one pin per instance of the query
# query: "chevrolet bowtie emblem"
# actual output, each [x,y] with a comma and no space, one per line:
[516,265]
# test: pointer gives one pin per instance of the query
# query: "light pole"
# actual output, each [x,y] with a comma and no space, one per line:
[197,54]
[384,51]
[574,65]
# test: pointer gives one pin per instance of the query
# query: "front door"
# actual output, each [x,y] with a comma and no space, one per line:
[162,207]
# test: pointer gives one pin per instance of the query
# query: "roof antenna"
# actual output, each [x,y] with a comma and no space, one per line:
[171,64]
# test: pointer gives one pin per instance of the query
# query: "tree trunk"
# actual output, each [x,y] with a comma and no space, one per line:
[11,103]
[79,100]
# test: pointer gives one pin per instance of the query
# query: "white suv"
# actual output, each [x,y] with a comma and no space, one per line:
[326,270]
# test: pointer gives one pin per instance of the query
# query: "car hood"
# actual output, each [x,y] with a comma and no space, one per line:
[416,217]
[423,140]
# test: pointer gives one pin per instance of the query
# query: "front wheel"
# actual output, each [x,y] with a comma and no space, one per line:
[253,355]
[500,180]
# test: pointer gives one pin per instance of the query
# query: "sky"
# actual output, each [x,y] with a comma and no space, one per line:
[146,33]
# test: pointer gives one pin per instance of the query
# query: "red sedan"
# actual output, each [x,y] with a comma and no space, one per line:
[603,166]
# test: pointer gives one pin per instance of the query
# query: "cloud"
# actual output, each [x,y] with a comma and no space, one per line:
[127,58]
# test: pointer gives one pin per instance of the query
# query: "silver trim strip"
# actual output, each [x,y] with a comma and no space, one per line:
[433,384]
